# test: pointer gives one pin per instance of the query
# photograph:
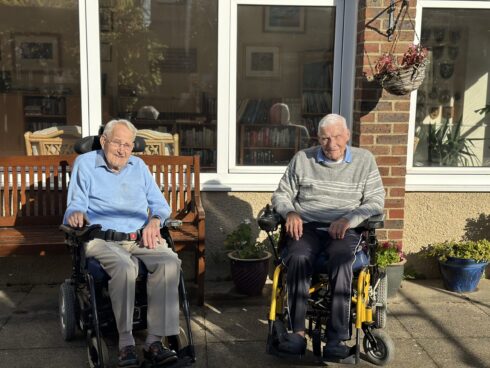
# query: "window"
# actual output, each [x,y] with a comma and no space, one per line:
[284,80]
[452,107]
[159,70]
[39,70]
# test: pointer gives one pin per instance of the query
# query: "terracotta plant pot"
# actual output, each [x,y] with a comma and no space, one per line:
[249,275]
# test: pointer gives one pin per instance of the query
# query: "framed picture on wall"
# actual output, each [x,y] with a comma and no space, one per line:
[36,51]
[262,61]
[284,19]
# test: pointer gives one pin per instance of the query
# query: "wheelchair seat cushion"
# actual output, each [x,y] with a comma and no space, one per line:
[99,274]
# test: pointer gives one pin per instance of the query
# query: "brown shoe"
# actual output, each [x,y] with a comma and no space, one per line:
[159,355]
[128,357]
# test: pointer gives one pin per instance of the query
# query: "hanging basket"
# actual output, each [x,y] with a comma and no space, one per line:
[404,80]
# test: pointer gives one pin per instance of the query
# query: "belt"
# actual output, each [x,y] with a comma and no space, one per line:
[112,235]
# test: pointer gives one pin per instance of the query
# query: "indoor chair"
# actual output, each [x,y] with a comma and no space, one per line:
[369,297]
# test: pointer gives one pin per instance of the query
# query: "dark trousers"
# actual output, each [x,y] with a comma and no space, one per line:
[300,261]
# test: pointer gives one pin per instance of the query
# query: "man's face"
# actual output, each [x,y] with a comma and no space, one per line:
[118,147]
[333,139]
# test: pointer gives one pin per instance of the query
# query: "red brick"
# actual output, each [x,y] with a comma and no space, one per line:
[396,235]
[402,106]
[366,139]
[394,224]
[375,128]
[399,171]
[399,150]
[396,214]
[391,139]
[391,160]
[384,170]
[368,118]
[379,150]
[400,128]
[393,117]
[372,48]
[397,192]
[394,203]
[393,181]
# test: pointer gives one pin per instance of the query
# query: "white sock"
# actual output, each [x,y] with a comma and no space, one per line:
[125,339]
[150,339]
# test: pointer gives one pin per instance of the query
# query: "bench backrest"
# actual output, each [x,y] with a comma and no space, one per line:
[33,189]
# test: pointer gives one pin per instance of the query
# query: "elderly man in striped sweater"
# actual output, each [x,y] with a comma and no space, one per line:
[330,183]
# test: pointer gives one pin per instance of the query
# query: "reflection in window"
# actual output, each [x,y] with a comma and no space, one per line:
[452,113]
[284,80]
[159,69]
[39,72]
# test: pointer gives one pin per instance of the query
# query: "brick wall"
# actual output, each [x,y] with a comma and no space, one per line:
[381,119]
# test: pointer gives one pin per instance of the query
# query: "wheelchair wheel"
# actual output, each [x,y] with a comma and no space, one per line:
[94,355]
[381,302]
[384,352]
[67,310]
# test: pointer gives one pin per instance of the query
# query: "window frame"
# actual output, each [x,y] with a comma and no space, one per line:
[447,179]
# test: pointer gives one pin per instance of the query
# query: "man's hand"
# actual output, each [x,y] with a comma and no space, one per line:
[151,233]
[294,225]
[338,228]
[77,219]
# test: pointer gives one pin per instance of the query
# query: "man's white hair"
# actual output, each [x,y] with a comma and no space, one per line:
[109,127]
[332,119]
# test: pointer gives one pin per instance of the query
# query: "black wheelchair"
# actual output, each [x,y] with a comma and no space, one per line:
[84,301]
[369,298]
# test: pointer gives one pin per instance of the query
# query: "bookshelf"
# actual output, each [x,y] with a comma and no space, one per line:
[41,112]
[266,144]
[197,134]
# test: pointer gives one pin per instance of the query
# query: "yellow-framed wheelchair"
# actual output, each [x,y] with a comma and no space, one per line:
[369,298]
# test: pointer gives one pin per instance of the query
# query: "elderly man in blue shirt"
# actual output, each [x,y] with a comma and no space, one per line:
[112,188]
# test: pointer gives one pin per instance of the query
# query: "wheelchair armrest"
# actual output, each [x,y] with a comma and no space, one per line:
[373,222]
[172,223]
[79,234]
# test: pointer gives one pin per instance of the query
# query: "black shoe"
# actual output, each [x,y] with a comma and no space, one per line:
[159,355]
[338,350]
[128,358]
[292,343]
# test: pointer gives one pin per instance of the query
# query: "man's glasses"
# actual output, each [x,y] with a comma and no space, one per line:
[124,146]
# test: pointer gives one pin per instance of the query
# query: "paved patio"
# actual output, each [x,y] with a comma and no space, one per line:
[431,327]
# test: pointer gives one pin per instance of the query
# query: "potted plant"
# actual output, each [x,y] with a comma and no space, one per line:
[400,78]
[390,258]
[462,263]
[249,259]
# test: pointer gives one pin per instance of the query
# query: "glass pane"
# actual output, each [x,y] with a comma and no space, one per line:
[284,80]
[159,69]
[39,74]
[453,102]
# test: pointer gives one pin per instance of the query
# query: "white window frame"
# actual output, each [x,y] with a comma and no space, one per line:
[229,176]
[447,179]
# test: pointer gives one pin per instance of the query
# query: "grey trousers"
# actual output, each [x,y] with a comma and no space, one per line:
[300,262]
[119,260]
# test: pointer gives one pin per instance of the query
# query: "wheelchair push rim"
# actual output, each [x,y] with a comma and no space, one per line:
[94,355]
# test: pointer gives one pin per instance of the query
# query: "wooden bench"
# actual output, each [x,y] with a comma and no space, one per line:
[33,192]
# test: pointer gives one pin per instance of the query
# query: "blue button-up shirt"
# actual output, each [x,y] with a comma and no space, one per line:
[120,201]
[321,158]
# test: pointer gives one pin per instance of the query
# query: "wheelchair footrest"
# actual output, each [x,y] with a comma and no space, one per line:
[351,359]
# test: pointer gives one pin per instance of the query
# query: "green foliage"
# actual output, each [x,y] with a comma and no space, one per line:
[449,147]
[241,242]
[478,250]
[388,253]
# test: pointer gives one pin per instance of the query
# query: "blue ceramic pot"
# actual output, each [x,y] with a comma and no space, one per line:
[461,275]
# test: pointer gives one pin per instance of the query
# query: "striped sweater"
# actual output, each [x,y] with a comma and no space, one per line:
[325,192]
